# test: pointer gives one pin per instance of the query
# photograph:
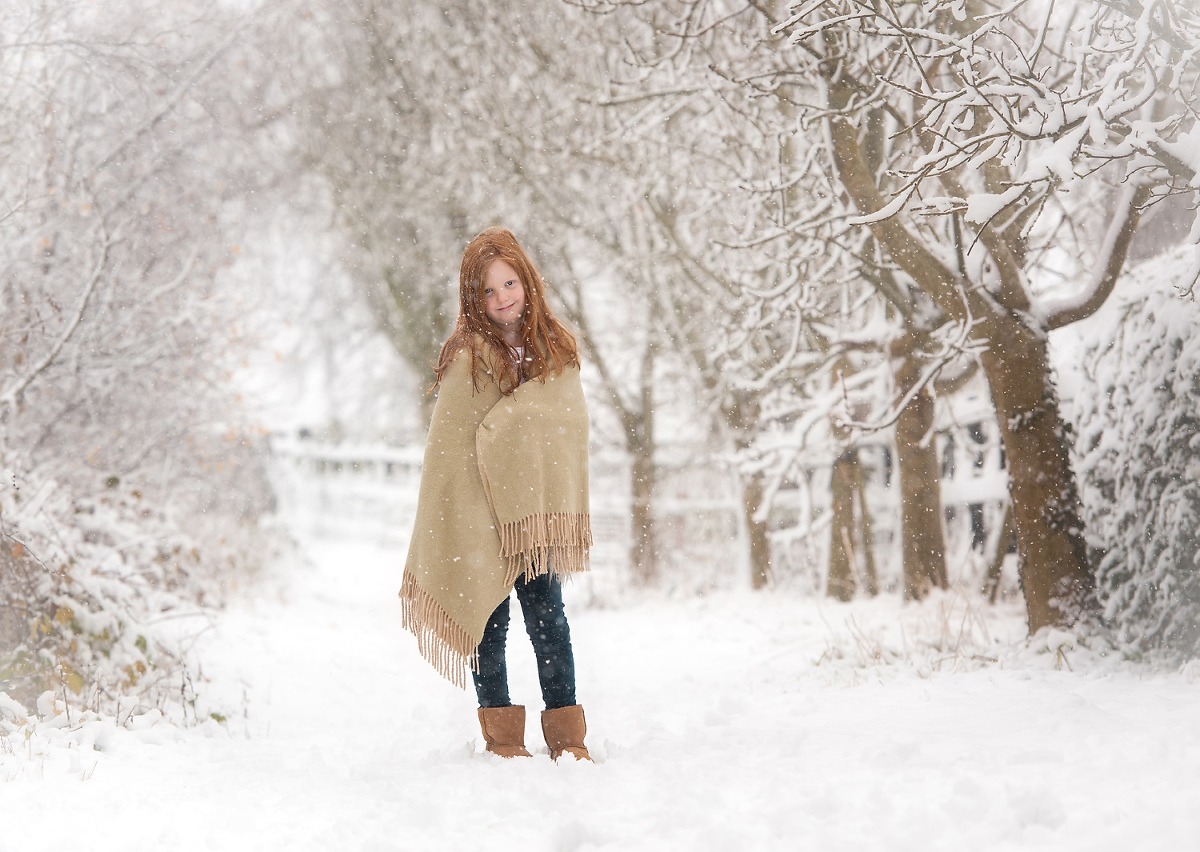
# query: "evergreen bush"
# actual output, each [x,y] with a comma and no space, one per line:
[1137,419]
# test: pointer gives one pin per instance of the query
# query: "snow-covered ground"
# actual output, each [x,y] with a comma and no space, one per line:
[736,721]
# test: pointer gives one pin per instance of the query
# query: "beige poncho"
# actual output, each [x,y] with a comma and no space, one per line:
[504,492]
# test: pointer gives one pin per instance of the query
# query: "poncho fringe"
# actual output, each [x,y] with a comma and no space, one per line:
[445,645]
[555,542]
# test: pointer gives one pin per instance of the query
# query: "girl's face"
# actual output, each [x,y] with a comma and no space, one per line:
[503,296]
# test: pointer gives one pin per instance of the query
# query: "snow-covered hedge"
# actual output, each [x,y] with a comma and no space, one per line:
[102,594]
[1137,418]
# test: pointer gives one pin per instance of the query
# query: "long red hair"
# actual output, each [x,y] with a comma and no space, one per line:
[549,346]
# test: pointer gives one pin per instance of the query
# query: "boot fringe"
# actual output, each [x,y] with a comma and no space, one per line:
[445,645]
[554,542]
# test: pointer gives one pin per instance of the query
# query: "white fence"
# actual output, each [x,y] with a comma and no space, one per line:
[346,491]
[369,492]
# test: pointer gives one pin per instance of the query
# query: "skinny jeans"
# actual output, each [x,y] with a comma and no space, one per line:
[546,624]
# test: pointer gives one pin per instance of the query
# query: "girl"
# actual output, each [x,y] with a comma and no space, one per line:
[504,497]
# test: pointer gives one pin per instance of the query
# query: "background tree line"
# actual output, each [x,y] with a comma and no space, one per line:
[820,216]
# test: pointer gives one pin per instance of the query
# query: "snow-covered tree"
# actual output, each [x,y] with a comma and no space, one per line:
[969,150]
[1012,126]
[776,288]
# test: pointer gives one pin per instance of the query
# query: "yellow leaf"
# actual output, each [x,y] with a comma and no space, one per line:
[73,679]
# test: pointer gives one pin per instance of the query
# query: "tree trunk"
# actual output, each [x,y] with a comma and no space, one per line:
[991,583]
[639,429]
[923,544]
[1055,576]
[756,531]
[637,422]
[643,554]
[841,584]
[741,414]
[866,546]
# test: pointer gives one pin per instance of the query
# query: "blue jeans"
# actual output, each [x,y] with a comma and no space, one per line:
[546,624]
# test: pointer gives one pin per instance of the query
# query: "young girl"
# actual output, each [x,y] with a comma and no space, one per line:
[504,497]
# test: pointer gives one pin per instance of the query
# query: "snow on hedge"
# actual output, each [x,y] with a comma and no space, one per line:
[1137,415]
[102,596]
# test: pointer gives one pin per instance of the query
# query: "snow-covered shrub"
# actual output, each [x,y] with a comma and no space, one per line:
[131,479]
[1137,417]
[102,593]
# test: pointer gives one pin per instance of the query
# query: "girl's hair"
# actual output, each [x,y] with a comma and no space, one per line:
[547,343]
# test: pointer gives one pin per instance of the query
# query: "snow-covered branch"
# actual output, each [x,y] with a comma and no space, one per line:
[12,393]
[1110,260]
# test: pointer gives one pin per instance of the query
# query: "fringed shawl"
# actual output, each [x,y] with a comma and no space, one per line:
[504,492]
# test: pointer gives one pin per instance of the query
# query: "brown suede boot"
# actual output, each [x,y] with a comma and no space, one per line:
[504,730]
[564,729]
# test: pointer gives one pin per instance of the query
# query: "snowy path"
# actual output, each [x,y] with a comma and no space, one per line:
[736,722]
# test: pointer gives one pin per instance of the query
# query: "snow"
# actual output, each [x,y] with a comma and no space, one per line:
[736,721]
[888,210]
[983,207]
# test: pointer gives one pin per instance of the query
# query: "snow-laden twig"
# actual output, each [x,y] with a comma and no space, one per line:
[9,396]
[961,345]
[895,205]
[173,99]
